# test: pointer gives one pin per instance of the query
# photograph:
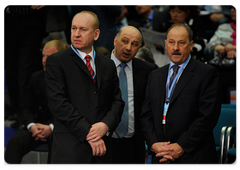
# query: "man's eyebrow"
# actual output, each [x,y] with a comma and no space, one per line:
[126,38]
[136,41]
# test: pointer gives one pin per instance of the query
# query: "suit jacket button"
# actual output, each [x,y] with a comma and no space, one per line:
[95,91]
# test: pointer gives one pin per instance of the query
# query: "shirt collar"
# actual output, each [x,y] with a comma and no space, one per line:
[117,62]
[83,54]
[150,17]
[180,65]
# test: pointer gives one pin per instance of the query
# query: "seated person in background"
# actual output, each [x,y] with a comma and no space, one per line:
[121,20]
[150,17]
[161,21]
[35,116]
[213,16]
[223,44]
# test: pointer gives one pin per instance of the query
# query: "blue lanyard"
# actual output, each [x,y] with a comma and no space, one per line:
[175,79]
[94,54]
[166,104]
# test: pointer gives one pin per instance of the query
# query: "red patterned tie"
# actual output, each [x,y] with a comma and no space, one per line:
[90,67]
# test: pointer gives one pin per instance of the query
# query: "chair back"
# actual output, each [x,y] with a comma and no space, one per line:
[227,118]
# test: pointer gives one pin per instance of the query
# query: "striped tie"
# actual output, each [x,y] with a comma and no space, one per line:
[175,71]
[90,67]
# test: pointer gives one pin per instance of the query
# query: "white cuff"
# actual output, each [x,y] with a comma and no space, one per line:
[30,124]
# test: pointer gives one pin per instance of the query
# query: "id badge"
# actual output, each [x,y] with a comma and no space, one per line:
[165,113]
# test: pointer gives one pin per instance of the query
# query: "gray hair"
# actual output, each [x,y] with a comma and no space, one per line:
[146,54]
[189,30]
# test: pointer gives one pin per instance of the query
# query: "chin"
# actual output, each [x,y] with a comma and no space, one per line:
[176,61]
[77,46]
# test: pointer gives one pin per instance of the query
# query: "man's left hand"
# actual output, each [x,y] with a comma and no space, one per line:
[175,153]
[97,131]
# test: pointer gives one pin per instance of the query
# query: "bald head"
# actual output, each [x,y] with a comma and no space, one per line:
[131,29]
[50,48]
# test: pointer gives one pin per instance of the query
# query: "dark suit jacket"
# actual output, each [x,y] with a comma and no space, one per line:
[139,21]
[76,103]
[156,24]
[193,111]
[35,106]
[141,71]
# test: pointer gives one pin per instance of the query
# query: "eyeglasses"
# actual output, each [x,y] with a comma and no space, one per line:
[234,8]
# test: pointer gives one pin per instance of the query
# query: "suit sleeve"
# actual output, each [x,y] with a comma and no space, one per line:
[59,102]
[113,116]
[208,112]
[147,118]
[30,105]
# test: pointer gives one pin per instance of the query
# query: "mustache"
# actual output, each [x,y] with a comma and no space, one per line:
[176,53]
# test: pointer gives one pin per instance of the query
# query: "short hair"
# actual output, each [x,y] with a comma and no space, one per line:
[146,54]
[55,43]
[93,15]
[189,30]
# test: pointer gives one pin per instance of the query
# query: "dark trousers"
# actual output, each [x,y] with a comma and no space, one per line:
[19,145]
[124,151]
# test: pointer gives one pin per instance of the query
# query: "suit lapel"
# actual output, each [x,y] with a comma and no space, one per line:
[183,80]
[98,65]
[163,80]
[136,75]
[80,63]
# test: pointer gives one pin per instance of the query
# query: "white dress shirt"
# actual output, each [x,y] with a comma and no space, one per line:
[129,73]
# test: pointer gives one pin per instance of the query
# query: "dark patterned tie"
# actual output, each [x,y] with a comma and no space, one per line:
[148,24]
[90,67]
[175,71]
[122,128]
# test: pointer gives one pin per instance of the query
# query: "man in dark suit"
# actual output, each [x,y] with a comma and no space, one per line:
[150,17]
[35,116]
[85,99]
[178,118]
[129,147]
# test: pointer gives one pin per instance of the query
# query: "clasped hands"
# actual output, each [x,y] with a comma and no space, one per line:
[168,152]
[40,131]
[94,138]
[229,50]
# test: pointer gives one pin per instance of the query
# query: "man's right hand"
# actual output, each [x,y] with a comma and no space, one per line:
[160,147]
[98,147]
[35,132]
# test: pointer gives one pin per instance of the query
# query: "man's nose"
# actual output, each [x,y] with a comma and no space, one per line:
[77,33]
[129,46]
[176,47]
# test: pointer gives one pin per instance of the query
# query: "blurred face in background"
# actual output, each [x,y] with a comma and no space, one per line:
[144,10]
[233,14]
[177,15]
[47,51]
